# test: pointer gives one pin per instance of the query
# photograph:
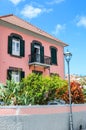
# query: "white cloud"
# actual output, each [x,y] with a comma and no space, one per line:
[81,21]
[59,28]
[47,10]
[31,12]
[55,2]
[16,1]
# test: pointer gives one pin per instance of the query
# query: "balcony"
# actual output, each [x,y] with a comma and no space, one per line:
[39,60]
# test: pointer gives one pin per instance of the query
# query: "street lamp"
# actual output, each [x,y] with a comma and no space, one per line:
[68,56]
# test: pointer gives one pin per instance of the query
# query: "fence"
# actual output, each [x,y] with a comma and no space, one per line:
[42,117]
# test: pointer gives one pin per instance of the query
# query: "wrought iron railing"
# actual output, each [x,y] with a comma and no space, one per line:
[39,59]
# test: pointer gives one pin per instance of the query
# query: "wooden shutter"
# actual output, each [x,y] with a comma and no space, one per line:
[22,48]
[53,55]
[32,52]
[9,44]
[9,73]
[22,75]
[42,54]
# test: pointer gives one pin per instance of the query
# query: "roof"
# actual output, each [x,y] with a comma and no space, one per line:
[12,19]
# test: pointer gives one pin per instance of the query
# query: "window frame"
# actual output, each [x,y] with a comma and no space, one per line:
[34,44]
[54,74]
[17,72]
[16,76]
[15,50]
[37,72]
[19,38]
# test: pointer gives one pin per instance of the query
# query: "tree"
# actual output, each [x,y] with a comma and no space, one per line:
[76,93]
[11,93]
[83,84]
[40,89]
[60,91]
[82,81]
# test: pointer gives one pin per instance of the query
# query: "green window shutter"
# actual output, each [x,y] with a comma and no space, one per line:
[42,54]
[9,73]
[53,55]
[22,48]
[32,52]
[22,75]
[9,44]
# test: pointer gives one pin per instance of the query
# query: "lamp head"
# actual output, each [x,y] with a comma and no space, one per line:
[67,56]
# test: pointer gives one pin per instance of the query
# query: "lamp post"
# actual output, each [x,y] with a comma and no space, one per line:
[68,56]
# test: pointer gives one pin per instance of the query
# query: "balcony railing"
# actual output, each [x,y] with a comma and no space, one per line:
[37,58]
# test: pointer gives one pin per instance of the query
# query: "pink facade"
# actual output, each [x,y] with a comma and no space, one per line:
[23,63]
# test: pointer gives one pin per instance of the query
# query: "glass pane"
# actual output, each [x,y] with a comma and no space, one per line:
[13,46]
[16,47]
[16,76]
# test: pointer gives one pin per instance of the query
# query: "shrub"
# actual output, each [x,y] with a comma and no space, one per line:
[76,93]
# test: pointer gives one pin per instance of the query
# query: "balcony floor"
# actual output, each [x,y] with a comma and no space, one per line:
[39,64]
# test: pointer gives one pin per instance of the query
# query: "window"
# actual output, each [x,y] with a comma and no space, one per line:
[53,55]
[37,52]
[16,45]
[54,74]
[15,74]
[37,72]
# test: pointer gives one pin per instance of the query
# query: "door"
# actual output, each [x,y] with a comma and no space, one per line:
[37,53]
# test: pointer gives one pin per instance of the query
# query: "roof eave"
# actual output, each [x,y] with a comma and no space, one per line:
[53,39]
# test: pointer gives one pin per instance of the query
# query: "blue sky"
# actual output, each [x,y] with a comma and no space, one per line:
[64,19]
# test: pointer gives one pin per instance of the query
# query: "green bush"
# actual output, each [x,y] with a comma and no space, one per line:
[39,89]
[34,89]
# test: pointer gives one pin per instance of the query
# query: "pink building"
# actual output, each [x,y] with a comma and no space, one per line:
[25,48]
